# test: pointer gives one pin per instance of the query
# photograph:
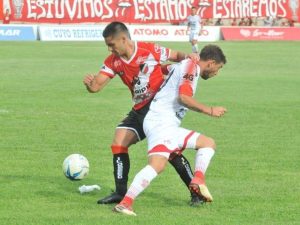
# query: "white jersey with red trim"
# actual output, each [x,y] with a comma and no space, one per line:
[162,122]
[182,80]
[141,73]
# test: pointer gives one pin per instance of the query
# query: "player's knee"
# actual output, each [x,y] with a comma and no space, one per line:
[211,143]
[159,169]
[124,137]
[120,142]
[205,142]
[158,163]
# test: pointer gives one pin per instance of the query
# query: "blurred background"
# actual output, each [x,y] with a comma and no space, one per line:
[166,20]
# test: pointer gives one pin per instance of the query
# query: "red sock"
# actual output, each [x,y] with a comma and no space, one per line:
[127,201]
[199,178]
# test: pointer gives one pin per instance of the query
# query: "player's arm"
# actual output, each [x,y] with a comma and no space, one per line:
[192,104]
[176,56]
[95,83]
[188,26]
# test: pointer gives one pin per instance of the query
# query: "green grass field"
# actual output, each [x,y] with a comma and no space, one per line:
[46,114]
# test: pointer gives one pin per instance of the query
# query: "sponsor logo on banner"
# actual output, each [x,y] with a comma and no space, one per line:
[171,33]
[17,33]
[276,33]
[259,33]
[71,33]
[138,32]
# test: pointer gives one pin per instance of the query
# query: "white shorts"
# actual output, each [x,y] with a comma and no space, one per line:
[193,36]
[164,139]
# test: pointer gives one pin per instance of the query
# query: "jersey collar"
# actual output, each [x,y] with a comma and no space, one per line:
[133,55]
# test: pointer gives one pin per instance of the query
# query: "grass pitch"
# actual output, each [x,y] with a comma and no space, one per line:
[46,114]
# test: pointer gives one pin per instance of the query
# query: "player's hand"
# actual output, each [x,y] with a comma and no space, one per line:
[193,56]
[217,111]
[88,79]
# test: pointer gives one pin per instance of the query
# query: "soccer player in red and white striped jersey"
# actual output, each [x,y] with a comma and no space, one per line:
[138,64]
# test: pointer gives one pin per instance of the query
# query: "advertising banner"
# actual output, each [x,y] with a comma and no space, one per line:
[171,33]
[138,32]
[1,11]
[146,11]
[18,33]
[71,33]
[261,33]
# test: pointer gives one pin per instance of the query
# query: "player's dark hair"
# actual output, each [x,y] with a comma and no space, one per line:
[115,28]
[212,52]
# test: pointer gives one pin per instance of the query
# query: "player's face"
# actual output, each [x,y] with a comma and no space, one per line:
[193,12]
[212,68]
[116,44]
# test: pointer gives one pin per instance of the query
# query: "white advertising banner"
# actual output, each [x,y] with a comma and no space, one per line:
[71,33]
[171,33]
[138,32]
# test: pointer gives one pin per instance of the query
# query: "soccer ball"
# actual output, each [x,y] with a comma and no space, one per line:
[76,167]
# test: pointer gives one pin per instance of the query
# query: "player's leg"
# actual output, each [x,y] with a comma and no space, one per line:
[205,151]
[184,170]
[141,181]
[191,40]
[182,167]
[195,48]
[122,140]
[121,163]
[178,161]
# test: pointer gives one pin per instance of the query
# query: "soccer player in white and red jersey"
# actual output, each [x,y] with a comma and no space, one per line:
[195,28]
[162,125]
[138,64]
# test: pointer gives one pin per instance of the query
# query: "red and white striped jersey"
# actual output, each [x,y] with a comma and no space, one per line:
[142,73]
[182,79]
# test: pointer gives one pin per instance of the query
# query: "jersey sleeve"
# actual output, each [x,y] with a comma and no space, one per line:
[188,78]
[107,68]
[161,53]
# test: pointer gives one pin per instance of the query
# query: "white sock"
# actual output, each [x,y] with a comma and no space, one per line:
[141,181]
[203,157]
[195,48]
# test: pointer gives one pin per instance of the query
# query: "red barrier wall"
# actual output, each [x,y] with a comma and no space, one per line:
[261,33]
[1,10]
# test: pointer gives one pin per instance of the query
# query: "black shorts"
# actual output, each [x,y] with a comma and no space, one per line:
[134,121]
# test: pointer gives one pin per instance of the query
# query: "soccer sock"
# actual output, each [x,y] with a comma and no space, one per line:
[183,168]
[140,182]
[121,164]
[203,157]
[195,48]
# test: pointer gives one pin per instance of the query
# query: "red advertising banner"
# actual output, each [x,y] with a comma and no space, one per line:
[261,34]
[145,11]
